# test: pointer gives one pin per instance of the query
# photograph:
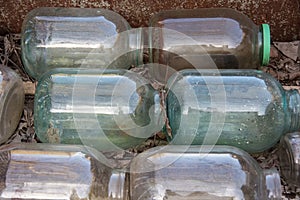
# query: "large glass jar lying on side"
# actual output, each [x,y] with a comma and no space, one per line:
[208,38]
[289,156]
[201,172]
[243,108]
[42,171]
[104,109]
[77,37]
[11,102]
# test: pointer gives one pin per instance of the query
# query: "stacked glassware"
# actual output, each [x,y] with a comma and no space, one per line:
[212,109]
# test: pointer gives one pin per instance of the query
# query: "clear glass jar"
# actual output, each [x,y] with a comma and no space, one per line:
[43,171]
[106,110]
[289,156]
[11,102]
[77,37]
[208,38]
[201,172]
[244,108]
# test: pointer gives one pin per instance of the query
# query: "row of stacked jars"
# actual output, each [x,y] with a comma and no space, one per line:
[53,171]
[118,109]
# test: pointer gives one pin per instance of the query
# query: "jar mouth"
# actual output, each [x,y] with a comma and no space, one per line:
[136,45]
[116,187]
[293,101]
[266,44]
[273,183]
[140,44]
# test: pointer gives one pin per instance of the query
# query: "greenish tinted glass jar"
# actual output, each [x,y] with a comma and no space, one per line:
[106,110]
[201,172]
[43,171]
[243,108]
[207,38]
[77,37]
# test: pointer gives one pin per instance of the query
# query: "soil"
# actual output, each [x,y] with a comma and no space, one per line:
[283,67]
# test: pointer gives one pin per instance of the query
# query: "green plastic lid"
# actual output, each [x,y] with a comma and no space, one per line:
[266,46]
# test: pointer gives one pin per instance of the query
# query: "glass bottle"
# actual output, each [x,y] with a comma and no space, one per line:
[208,38]
[43,171]
[201,172]
[106,110]
[244,108]
[77,37]
[11,102]
[289,156]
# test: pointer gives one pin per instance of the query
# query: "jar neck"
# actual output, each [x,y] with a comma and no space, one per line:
[116,185]
[136,45]
[272,183]
[293,106]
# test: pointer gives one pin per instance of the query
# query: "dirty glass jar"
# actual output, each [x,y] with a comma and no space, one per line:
[208,38]
[43,171]
[201,172]
[244,108]
[11,102]
[289,156]
[107,110]
[77,37]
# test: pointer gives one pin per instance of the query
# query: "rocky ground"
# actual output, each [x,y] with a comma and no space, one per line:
[284,66]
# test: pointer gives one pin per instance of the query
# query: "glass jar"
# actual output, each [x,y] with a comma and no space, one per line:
[106,110]
[207,38]
[201,172]
[77,37]
[11,102]
[289,156]
[248,109]
[42,171]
